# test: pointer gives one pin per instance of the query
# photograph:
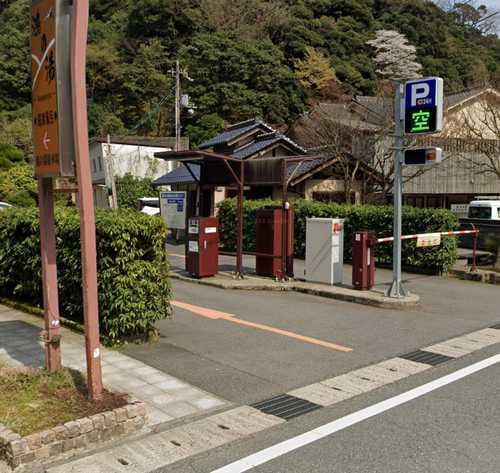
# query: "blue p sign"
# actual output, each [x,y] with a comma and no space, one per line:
[424,106]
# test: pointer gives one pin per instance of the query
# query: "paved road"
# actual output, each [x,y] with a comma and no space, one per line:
[454,429]
[244,365]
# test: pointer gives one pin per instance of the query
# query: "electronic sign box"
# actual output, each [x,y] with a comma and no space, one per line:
[423,106]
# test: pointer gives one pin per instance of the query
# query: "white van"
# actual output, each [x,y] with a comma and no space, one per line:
[5,206]
[485,209]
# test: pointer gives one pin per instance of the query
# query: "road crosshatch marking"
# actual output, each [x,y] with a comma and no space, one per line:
[216,315]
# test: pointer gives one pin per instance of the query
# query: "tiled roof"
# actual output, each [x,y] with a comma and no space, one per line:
[234,131]
[384,106]
[453,99]
[305,167]
[179,175]
[264,141]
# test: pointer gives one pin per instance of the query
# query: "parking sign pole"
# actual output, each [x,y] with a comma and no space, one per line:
[396,290]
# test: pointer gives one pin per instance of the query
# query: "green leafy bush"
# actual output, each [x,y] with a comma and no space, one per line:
[130,189]
[134,288]
[357,217]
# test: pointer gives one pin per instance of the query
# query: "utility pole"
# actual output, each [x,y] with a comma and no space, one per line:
[109,176]
[177,106]
[396,289]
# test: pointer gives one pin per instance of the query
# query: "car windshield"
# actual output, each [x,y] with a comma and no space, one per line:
[479,212]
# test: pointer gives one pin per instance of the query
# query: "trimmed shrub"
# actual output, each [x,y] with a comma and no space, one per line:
[134,288]
[357,217]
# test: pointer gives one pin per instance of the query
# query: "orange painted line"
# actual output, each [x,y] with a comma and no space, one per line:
[217,315]
[204,312]
[176,255]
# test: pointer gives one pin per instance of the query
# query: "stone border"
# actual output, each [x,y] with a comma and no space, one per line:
[17,450]
[483,276]
[370,298]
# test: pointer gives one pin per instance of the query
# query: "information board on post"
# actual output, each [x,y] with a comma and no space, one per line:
[423,106]
[52,117]
[173,209]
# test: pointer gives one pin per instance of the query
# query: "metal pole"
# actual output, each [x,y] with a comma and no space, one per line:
[51,334]
[177,106]
[110,173]
[284,226]
[239,243]
[474,252]
[86,200]
[396,290]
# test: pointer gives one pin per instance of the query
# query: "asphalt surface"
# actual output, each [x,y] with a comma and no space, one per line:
[245,365]
[454,429]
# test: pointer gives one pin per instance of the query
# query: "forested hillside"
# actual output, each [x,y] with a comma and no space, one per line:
[246,57]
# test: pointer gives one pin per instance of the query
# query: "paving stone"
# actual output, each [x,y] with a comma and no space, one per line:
[109,419]
[162,399]
[157,416]
[121,414]
[149,391]
[86,425]
[351,384]
[404,366]
[171,385]
[128,364]
[128,383]
[245,420]
[158,378]
[73,428]
[447,350]
[206,403]
[145,371]
[18,447]
[179,409]
[48,436]
[43,452]
[34,441]
[380,374]
[484,337]
[56,448]
[321,394]
[466,343]
[98,421]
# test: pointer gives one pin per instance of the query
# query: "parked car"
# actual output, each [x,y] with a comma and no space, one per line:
[485,209]
[4,206]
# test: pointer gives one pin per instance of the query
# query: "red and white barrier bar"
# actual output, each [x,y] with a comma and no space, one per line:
[423,235]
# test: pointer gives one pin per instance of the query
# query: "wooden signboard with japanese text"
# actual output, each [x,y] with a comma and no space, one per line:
[51,88]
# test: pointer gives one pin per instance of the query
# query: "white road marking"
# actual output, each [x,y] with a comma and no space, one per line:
[326,430]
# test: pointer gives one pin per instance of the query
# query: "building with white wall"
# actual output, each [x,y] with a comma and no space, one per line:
[128,155]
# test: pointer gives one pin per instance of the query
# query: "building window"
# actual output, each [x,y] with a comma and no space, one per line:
[100,163]
[94,169]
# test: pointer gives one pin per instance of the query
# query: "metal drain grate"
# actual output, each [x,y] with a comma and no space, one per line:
[427,357]
[497,327]
[285,406]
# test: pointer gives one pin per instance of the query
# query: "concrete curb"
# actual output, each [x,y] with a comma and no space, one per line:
[486,277]
[371,298]
[165,448]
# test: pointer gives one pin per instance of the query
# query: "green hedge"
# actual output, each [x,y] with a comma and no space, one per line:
[357,217]
[134,288]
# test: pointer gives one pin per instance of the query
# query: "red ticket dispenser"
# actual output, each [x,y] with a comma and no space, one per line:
[363,260]
[269,234]
[202,252]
